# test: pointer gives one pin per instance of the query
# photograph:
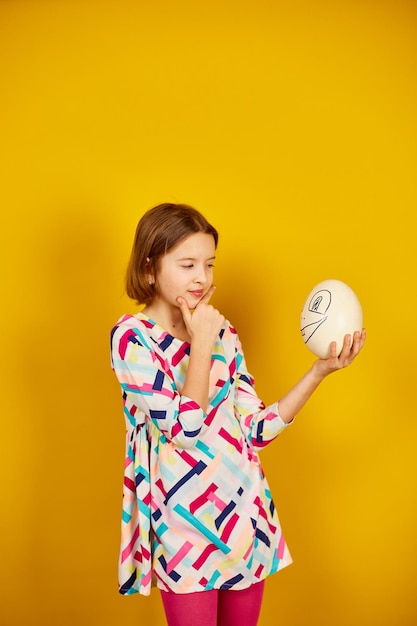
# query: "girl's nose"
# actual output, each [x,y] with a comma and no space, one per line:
[201,276]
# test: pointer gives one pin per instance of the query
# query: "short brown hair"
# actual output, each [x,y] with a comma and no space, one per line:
[159,230]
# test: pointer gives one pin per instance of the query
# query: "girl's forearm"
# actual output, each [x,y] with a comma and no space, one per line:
[295,399]
[196,385]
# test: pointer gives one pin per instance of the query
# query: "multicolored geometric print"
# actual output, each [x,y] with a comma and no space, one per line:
[197,510]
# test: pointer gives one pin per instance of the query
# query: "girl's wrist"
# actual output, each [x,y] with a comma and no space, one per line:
[317,373]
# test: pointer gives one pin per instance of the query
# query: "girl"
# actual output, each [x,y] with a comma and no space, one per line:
[198,518]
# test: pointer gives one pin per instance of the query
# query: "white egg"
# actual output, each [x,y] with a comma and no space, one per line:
[331,311]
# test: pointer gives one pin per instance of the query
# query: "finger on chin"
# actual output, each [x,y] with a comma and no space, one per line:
[208,295]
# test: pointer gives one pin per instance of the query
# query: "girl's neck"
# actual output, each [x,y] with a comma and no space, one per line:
[170,319]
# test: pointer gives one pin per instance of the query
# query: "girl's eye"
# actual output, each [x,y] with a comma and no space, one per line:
[191,265]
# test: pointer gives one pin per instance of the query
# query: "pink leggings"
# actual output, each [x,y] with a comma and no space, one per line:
[217,607]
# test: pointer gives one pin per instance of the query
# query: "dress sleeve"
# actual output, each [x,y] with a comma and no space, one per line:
[260,424]
[149,389]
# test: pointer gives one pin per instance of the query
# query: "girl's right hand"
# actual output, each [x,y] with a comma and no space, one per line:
[205,322]
[349,352]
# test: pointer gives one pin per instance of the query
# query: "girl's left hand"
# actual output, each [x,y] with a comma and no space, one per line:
[335,362]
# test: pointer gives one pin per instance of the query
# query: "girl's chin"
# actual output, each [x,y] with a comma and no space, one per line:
[191,301]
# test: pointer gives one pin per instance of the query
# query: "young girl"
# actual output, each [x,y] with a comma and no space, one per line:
[199,521]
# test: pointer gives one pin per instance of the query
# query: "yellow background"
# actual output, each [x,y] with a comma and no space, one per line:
[292,126]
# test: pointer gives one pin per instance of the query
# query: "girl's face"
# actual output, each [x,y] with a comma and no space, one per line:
[187,270]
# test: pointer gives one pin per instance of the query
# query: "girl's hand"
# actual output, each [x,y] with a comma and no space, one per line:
[323,367]
[205,322]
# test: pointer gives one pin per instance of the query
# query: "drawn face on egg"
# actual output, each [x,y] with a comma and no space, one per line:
[315,314]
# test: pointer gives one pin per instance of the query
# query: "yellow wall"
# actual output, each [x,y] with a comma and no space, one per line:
[292,126]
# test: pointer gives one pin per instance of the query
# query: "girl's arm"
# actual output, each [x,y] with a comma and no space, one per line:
[203,326]
[296,398]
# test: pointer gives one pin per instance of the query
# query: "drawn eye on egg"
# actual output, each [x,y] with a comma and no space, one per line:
[314,314]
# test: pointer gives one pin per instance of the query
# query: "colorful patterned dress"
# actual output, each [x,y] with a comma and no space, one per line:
[197,509]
